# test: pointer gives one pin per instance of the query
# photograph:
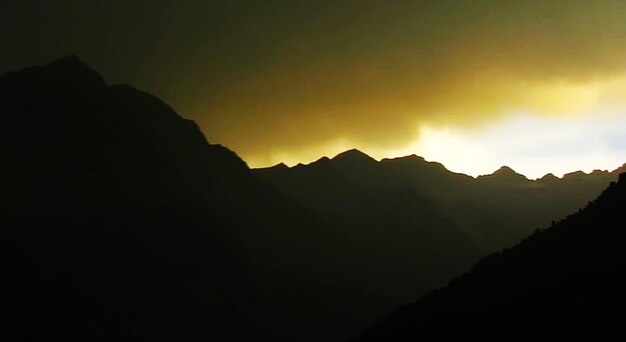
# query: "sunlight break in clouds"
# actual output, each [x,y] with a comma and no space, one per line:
[531,145]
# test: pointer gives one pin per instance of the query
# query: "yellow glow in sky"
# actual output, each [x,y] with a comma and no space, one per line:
[559,127]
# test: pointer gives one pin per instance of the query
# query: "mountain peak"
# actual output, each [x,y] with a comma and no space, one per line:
[61,75]
[549,177]
[279,166]
[505,170]
[353,155]
[72,59]
[505,173]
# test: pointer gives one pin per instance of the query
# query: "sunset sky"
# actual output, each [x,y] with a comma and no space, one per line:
[539,86]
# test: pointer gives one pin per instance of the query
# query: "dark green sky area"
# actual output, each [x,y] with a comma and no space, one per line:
[295,79]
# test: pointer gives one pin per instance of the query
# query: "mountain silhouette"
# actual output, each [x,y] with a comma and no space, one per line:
[112,227]
[495,210]
[548,178]
[121,222]
[413,224]
[354,157]
[563,283]
[399,241]
[499,209]
[504,174]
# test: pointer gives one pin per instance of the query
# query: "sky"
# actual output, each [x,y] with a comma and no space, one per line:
[539,86]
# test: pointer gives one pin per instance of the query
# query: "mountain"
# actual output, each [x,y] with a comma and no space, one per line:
[413,224]
[495,210]
[500,209]
[105,232]
[400,242]
[563,283]
[119,221]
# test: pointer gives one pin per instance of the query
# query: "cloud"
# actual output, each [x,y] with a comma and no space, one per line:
[294,80]
[372,76]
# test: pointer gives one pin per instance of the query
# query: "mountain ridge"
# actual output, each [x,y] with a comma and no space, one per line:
[467,200]
[502,170]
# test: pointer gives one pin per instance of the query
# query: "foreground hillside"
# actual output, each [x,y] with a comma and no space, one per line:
[563,283]
[120,222]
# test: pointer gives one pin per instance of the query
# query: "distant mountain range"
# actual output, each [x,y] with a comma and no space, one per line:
[495,210]
[401,242]
[119,221]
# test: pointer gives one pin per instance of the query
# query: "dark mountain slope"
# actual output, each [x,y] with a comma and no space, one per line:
[563,283]
[105,232]
[120,222]
[399,241]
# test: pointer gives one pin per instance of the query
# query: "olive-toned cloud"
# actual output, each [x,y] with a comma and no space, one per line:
[292,81]
[374,79]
